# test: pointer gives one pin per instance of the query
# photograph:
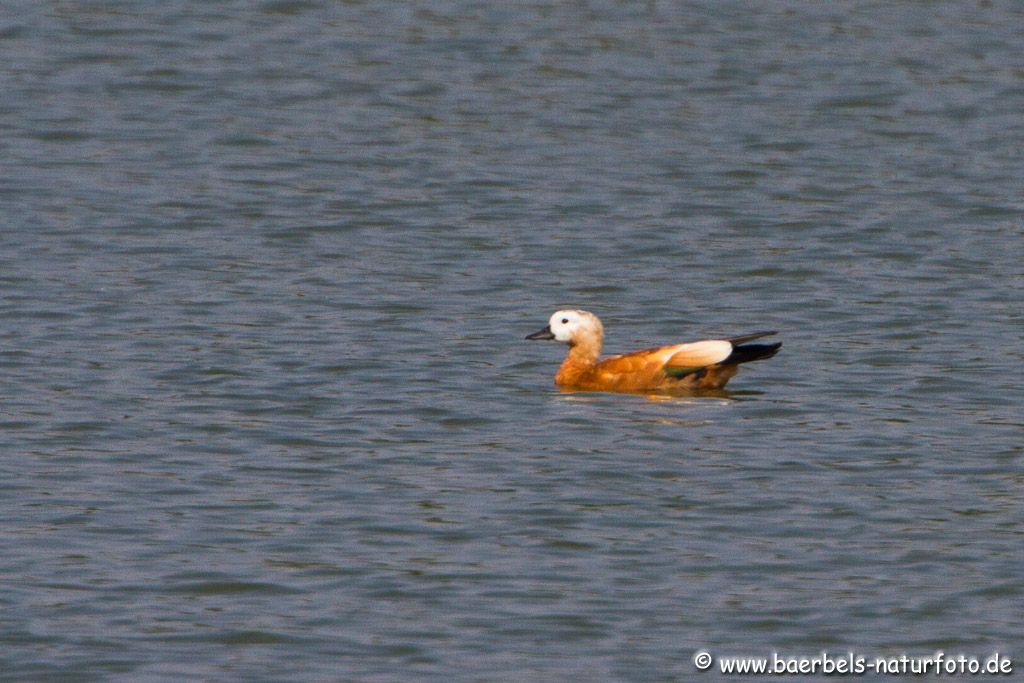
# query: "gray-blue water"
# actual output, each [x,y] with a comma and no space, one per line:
[265,273]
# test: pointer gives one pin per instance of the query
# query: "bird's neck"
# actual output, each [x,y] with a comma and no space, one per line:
[582,357]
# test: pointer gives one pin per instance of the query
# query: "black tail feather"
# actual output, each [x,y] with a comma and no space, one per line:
[751,352]
[744,338]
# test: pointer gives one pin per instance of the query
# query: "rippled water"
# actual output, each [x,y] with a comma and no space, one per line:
[266,269]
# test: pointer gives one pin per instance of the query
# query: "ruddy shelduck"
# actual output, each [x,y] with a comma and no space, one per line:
[707,364]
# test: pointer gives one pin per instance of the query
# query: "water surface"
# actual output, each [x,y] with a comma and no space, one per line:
[265,271]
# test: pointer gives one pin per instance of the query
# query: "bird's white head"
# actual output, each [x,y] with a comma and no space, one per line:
[570,327]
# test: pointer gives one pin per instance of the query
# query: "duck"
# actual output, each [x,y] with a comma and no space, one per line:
[702,365]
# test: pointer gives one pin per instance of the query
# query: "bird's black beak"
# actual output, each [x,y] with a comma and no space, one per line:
[541,334]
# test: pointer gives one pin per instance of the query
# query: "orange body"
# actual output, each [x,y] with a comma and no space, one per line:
[637,371]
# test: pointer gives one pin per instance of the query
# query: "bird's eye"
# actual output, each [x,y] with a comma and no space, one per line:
[565,320]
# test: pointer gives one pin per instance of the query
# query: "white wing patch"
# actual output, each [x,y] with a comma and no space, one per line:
[698,355]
